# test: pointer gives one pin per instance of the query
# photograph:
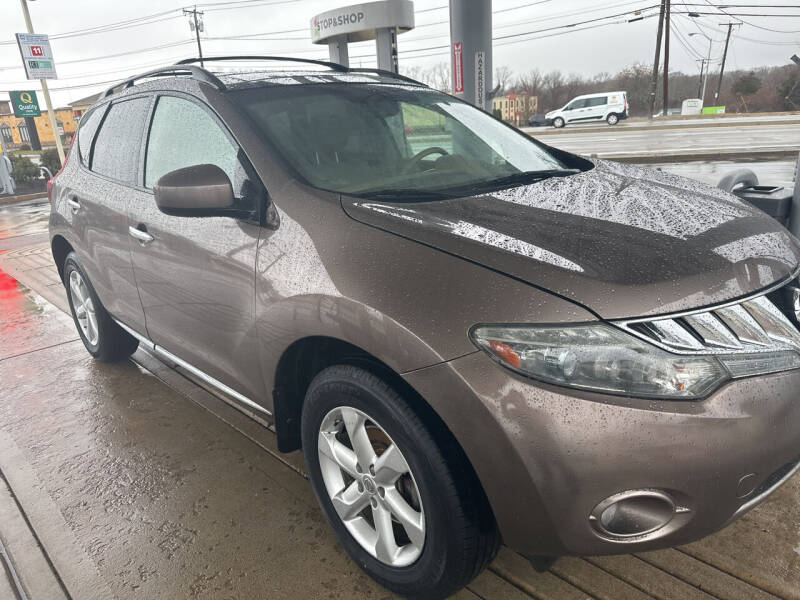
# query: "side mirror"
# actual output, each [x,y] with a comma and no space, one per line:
[196,191]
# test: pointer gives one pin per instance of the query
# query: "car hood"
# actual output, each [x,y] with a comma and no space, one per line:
[623,241]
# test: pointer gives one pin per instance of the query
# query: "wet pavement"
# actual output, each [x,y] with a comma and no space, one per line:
[131,481]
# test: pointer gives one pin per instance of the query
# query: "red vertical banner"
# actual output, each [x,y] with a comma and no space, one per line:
[458,68]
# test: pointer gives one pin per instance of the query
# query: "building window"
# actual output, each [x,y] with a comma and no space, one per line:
[5,131]
[24,135]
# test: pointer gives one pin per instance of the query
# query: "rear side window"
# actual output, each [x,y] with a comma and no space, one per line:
[116,149]
[183,134]
[86,130]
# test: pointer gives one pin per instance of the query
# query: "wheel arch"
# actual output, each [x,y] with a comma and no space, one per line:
[60,248]
[306,357]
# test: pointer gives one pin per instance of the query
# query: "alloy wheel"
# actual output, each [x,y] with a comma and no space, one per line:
[371,486]
[84,307]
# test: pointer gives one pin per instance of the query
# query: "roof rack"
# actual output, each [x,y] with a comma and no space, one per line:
[323,63]
[186,67]
[385,73]
[196,73]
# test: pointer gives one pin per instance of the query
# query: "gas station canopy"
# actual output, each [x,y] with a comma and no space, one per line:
[361,22]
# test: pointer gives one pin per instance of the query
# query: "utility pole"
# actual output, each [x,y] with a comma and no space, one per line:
[654,82]
[700,81]
[197,27]
[724,57]
[46,91]
[666,57]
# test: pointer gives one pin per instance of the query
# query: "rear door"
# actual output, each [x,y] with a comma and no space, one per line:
[99,192]
[196,276]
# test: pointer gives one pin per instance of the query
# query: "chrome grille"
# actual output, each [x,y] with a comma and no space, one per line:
[751,326]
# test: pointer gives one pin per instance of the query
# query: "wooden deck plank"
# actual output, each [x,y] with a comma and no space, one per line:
[591,578]
[649,578]
[544,586]
[704,576]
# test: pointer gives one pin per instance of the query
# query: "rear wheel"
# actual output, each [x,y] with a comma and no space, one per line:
[558,123]
[612,119]
[102,337]
[406,507]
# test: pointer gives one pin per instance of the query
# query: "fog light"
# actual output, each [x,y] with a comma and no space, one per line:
[633,514]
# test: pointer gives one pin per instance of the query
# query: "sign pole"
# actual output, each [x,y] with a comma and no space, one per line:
[45,90]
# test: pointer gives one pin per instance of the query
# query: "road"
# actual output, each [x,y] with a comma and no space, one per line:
[620,142]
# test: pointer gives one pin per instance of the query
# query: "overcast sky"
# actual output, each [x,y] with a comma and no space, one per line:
[84,59]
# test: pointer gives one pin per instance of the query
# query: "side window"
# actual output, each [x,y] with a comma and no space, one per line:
[86,130]
[183,134]
[576,104]
[116,148]
[601,101]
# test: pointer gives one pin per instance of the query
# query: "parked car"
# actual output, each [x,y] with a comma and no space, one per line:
[611,107]
[472,336]
[538,121]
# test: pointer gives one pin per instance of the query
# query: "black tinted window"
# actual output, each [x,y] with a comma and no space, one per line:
[116,151]
[86,131]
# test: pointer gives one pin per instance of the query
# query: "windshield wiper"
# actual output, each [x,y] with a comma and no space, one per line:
[523,177]
[406,194]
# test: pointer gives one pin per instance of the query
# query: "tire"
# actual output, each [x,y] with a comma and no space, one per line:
[453,536]
[558,123]
[103,338]
[612,119]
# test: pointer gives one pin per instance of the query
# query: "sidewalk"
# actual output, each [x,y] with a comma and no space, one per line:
[138,483]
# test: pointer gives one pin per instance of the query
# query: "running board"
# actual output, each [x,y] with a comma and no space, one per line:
[201,375]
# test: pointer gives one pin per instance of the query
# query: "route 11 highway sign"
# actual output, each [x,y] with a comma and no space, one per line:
[37,56]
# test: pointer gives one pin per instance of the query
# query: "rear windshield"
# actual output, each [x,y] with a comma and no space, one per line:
[365,138]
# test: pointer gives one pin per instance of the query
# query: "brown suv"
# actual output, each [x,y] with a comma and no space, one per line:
[474,337]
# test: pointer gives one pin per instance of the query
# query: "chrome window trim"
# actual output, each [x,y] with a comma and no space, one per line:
[202,375]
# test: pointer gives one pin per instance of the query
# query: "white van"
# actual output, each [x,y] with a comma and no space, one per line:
[610,107]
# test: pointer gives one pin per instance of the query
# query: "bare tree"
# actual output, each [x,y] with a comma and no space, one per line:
[502,77]
[440,76]
[530,82]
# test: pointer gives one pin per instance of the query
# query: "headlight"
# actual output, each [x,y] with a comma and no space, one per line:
[600,358]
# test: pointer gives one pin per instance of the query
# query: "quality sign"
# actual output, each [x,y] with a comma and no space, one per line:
[25,104]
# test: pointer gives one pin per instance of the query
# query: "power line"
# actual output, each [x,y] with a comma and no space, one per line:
[747,22]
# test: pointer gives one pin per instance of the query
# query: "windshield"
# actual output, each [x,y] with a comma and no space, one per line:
[373,138]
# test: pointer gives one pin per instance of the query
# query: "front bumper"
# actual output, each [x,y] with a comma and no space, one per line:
[548,457]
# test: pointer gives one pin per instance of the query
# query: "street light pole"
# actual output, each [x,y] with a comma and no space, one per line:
[45,90]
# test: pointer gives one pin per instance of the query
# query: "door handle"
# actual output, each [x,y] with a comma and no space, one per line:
[140,234]
[73,203]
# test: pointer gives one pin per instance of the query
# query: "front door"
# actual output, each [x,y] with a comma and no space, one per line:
[196,275]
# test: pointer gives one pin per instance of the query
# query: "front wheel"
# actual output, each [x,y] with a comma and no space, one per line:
[558,123]
[405,506]
[612,119]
